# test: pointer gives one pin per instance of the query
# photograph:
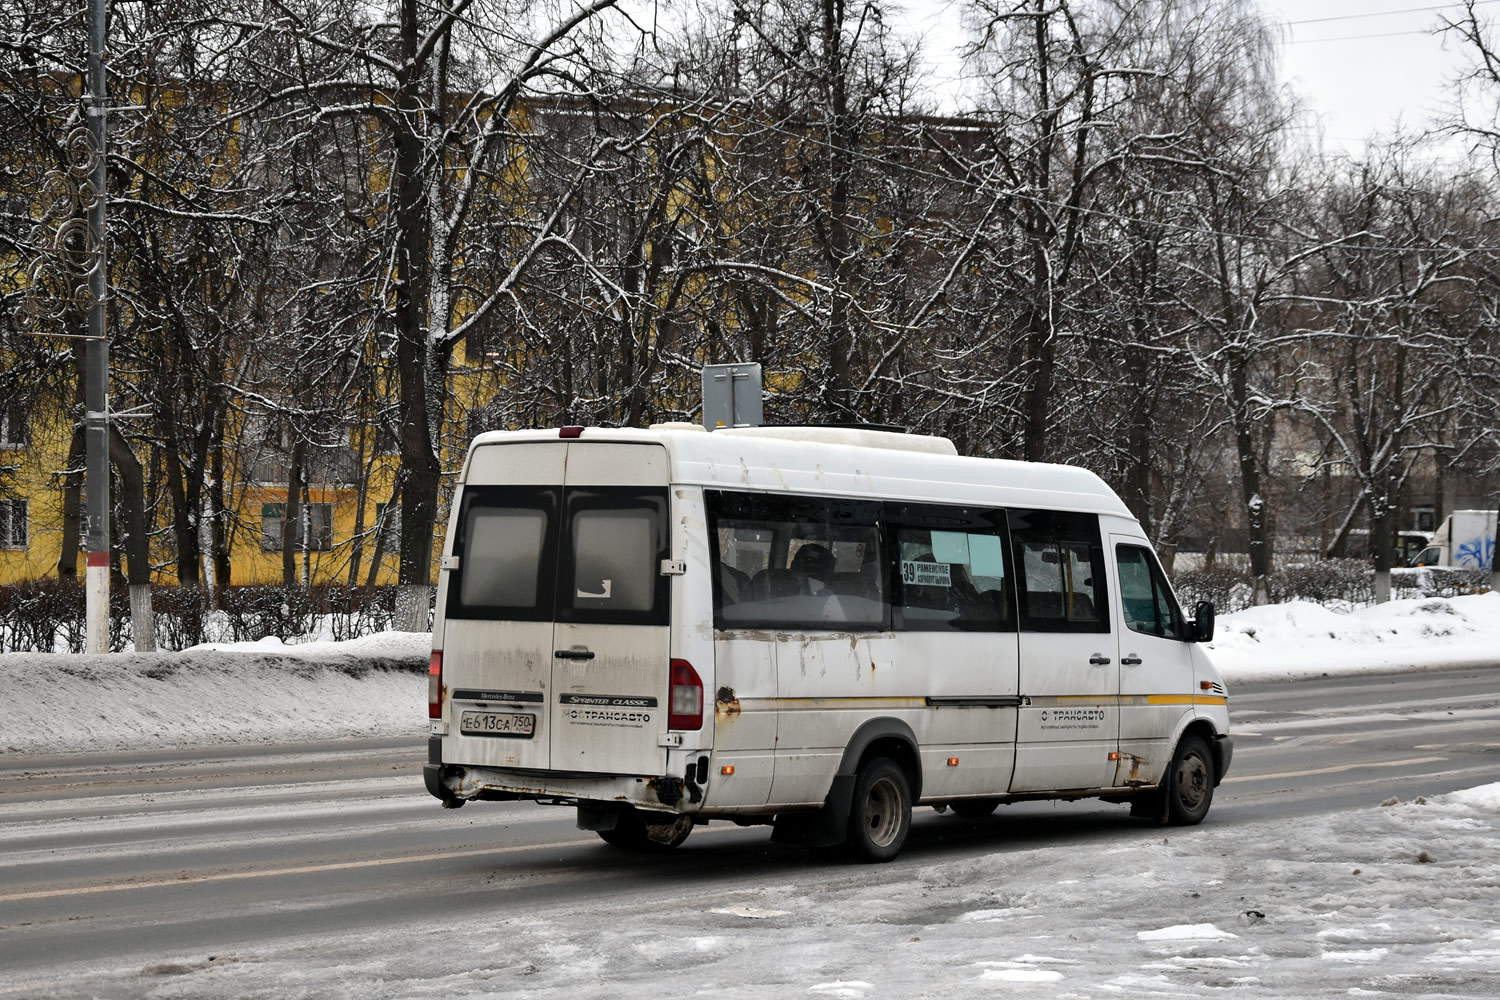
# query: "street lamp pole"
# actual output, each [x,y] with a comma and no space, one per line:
[96,358]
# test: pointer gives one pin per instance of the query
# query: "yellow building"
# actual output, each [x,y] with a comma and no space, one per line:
[343,520]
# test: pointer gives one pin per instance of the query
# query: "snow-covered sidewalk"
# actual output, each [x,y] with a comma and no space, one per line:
[1393,900]
[267,691]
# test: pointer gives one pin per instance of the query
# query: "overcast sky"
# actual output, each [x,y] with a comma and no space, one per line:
[1364,65]
[1360,65]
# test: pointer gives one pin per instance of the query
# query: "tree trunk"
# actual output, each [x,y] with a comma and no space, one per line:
[1042,362]
[1138,441]
[219,503]
[136,538]
[1256,513]
[414,350]
[291,515]
[1381,530]
[378,555]
[72,520]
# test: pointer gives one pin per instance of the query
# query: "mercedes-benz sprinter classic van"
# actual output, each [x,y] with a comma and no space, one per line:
[814,628]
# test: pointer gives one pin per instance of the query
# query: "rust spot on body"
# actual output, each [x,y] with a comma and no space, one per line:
[726,702]
[1135,769]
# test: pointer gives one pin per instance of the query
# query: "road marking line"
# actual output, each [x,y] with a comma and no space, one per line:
[300,870]
[84,890]
[1333,770]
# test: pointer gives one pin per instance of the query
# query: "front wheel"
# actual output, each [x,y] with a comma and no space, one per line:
[880,817]
[1189,782]
[974,808]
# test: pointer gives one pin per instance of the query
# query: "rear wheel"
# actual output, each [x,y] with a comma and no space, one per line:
[633,833]
[974,808]
[1189,782]
[880,815]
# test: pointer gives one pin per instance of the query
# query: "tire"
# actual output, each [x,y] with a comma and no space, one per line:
[974,808]
[1189,782]
[880,813]
[633,833]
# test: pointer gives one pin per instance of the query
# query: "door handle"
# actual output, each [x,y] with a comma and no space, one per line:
[1099,660]
[1130,661]
[574,654]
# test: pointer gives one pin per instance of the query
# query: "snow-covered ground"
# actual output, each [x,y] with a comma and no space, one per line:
[1291,641]
[1400,899]
[265,692]
[257,692]
[1393,901]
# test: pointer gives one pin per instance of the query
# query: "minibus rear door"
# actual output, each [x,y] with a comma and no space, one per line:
[612,641]
[500,599]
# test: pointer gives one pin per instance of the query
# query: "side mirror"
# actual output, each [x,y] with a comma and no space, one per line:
[1203,622]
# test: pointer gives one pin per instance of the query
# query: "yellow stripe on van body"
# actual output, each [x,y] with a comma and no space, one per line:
[1127,699]
[1036,701]
[1186,699]
[815,704]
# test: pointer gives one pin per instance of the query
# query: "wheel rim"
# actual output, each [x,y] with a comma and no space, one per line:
[883,812]
[1192,782]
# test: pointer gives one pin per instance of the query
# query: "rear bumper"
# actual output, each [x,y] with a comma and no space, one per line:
[461,783]
[432,771]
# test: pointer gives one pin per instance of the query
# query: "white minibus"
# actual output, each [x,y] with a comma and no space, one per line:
[814,628]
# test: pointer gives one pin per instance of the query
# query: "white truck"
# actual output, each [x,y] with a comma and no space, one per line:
[1465,540]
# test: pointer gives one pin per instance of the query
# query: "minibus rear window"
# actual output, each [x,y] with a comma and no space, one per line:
[541,553]
[507,552]
[614,544]
[504,551]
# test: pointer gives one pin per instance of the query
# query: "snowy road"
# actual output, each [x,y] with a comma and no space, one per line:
[327,871]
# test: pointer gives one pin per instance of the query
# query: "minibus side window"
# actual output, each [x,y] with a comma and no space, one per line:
[507,554]
[1145,599]
[784,561]
[950,570]
[1060,571]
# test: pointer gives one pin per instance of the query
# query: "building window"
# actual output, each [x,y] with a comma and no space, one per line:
[12,424]
[316,534]
[12,524]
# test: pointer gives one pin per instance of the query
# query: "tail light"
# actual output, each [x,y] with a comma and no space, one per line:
[435,685]
[685,709]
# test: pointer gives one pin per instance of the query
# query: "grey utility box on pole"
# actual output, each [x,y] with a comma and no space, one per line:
[731,396]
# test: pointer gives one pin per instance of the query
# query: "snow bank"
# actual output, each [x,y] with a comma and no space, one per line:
[261,692]
[1289,641]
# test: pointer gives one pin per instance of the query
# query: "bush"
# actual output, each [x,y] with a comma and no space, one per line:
[49,616]
[1226,586]
[1338,583]
[1325,581]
